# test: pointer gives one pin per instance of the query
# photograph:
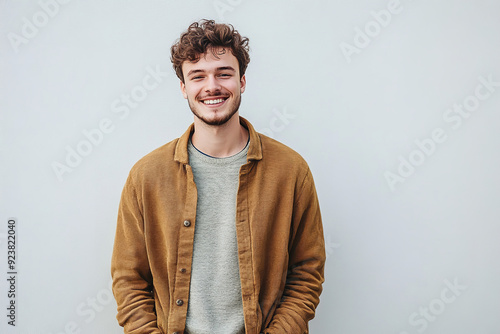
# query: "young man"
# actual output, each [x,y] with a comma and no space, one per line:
[219,231]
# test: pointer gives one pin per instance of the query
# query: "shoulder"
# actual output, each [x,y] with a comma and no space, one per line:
[278,154]
[284,167]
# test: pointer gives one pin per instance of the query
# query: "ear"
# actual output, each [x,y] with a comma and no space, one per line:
[243,83]
[183,89]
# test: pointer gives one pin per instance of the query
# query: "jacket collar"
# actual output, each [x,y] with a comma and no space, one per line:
[254,150]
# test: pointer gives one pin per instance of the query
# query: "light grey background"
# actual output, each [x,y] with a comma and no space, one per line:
[393,251]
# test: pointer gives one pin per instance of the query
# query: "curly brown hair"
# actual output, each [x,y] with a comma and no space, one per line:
[204,35]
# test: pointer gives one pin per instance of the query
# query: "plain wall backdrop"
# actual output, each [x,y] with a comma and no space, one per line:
[394,104]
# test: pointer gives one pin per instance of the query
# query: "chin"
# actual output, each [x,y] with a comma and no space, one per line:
[216,121]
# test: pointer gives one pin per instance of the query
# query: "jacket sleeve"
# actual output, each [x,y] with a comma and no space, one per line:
[305,274]
[132,279]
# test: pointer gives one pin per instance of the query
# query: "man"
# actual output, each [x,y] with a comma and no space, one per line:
[219,231]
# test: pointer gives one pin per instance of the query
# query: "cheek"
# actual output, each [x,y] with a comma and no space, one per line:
[233,86]
[192,92]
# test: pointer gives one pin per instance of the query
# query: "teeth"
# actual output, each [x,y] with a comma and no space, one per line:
[213,101]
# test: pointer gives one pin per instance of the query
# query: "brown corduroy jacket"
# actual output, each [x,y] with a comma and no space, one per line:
[281,249]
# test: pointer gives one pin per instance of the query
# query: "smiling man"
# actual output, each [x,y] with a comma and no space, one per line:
[219,231]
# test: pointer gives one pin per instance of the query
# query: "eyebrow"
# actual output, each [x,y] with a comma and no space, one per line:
[218,69]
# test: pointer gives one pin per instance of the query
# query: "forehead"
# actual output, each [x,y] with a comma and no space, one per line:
[210,61]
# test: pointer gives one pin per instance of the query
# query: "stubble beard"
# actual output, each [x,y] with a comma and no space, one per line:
[221,120]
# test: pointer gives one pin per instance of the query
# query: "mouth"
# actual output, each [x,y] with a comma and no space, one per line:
[214,101]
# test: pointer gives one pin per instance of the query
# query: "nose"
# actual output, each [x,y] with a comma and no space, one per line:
[213,84]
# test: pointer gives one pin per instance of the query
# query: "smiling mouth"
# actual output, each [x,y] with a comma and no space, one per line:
[214,101]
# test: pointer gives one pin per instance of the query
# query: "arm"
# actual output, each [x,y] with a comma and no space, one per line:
[132,280]
[305,267]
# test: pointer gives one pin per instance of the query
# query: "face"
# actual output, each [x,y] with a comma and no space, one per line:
[213,86]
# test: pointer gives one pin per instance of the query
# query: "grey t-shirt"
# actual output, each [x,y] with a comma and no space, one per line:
[215,304]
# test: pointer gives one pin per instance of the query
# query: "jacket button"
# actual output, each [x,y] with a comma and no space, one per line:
[187,223]
[183,270]
[179,302]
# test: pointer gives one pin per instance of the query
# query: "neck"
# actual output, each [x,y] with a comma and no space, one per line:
[220,141]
